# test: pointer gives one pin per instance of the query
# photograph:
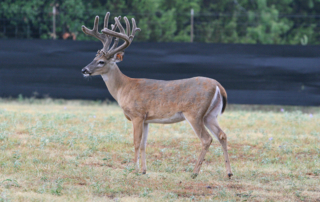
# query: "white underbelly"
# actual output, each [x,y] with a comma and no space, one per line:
[173,119]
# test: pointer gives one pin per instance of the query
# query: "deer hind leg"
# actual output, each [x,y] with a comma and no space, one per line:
[137,136]
[213,126]
[143,147]
[205,138]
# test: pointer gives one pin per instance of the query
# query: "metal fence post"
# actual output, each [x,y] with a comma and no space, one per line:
[54,22]
[191,31]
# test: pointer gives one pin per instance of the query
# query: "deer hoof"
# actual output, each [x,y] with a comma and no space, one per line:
[144,172]
[194,175]
[230,175]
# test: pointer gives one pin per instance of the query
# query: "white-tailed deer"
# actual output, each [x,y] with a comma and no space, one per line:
[197,100]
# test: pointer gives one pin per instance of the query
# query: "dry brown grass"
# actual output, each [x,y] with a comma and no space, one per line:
[75,152]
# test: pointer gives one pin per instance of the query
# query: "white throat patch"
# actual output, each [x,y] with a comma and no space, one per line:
[104,77]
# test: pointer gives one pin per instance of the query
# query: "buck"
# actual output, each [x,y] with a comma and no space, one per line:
[197,100]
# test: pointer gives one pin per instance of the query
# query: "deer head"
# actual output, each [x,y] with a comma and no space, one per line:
[108,56]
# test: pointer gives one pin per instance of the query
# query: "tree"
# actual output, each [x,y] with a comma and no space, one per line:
[216,21]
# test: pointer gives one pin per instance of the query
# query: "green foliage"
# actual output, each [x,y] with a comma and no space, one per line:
[230,21]
[270,27]
[261,21]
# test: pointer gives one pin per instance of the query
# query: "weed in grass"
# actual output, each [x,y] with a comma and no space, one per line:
[189,168]
[3,136]
[42,189]
[7,183]
[157,163]
[298,194]
[316,172]
[246,149]
[170,169]
[57,187]
[4,197]
[146,192]
[44,178]
[97,186]
[218,151]
[127,170]
[170,196]
[220,192]
[16,165]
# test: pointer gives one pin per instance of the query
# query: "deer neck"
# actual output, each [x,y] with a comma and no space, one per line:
[115,80]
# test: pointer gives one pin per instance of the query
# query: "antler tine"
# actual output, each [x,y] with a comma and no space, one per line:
[127,25]
[124,34]
[115,44]
[119,25]
[134,29]
[106,20]
[94,32]
[121,35]
[107,35]
[116,41]
[114,26]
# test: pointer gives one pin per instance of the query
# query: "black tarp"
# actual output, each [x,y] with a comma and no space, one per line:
[251,74]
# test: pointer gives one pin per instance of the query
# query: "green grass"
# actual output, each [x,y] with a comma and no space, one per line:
[57,150]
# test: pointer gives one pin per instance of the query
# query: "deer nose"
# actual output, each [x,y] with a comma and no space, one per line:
[85,71]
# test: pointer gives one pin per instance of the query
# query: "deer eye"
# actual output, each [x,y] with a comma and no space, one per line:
[101,62]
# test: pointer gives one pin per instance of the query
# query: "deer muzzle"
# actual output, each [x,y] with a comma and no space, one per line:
[85,71]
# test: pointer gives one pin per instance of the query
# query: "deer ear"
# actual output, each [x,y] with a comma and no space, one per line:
[118,57]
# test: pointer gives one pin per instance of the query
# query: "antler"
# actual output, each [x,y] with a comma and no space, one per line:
[107,34]
[122,35]
[105,39]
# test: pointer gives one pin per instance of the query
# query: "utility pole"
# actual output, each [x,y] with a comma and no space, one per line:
[54,12]
[191,31]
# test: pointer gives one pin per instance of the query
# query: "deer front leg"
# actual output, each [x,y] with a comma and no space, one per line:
[137,135]
[205,138]
[143,148]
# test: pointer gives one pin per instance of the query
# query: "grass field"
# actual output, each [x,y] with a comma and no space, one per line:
[83,151]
